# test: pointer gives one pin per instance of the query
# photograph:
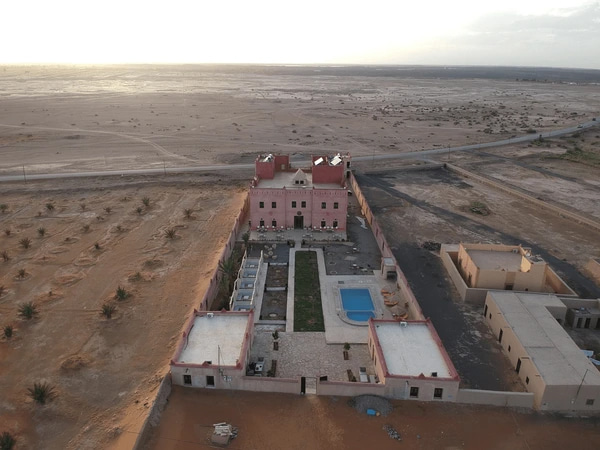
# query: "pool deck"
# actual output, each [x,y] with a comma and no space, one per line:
[338,328]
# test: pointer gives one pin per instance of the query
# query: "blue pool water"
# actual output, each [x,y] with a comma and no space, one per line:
[358,304]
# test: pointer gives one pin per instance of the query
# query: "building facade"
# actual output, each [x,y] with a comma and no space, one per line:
[282,197]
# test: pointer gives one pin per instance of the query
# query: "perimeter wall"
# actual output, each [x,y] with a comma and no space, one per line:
[414,310]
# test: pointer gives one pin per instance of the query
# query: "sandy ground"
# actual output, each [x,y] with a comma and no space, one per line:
[75,119]
[85,118]
[104,371]
[276,421]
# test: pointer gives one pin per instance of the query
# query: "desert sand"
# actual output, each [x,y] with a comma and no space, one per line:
[77,119]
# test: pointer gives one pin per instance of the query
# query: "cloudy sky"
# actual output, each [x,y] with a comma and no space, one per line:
[557,33]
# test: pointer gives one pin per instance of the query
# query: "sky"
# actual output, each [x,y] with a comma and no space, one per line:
[554,33]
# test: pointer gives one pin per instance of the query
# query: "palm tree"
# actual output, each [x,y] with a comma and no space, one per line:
[50,207]
[170,233]
[41,231]
[108,310]
[7,441]
[188,212]
[25,243]
[146,201]
[8,332]
[121,293]
[41,392]
[227,269]
[22,273]
[28,310]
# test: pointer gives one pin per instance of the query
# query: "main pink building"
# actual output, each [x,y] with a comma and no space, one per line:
[283,197]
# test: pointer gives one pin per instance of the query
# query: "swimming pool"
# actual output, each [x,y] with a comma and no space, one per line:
[357,304]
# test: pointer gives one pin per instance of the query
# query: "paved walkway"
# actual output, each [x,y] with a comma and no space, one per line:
[309,355]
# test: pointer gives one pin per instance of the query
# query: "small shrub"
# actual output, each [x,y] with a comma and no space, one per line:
[41,392]
[108,310]
[119,228]
[2,289]
[275,335]
[136,277]
[3,207]
[188,213]
[170,233]
[146,201]
[139,210]
[346,346]
[28,310]
[22,273]
[50,207]
[82,206]
[8,332]
[108,210]
[97,246]
[7,441]
[7,231]
[41,231]
[5,255]
[86,228]
[25,243]
[122,293]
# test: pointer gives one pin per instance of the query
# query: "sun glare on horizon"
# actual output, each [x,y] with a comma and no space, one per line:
[467,32]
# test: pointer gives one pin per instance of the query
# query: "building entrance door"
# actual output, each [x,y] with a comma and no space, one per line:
[298,222]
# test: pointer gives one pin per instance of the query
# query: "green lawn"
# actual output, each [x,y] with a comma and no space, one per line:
[308,313]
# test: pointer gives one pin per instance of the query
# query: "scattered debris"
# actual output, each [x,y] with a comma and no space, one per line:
[392,432]
[223,434]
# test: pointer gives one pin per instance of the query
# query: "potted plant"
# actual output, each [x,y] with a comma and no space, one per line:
[346,349]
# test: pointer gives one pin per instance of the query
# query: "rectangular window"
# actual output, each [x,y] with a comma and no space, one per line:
[261,204]
[414,392]
[187,379]
[274,223]
[323,224]
[336,205]
[589,402]
[303,204]
[293,204]
[210,381]
[438,392]
[273,205]
[323,205]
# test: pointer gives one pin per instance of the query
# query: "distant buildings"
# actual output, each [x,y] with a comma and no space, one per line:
[282,197]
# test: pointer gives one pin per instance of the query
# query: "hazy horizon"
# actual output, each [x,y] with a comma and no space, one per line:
[527,33]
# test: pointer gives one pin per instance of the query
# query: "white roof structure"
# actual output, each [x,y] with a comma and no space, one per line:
[218,338]
[557,358]
[496,260]
[410,349]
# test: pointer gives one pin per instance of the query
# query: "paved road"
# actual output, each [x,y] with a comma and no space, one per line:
[204,168]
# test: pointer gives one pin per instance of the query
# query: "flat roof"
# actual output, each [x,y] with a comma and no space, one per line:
[495,260]
[411,350]
[286,179]
[557,358]
[219,339]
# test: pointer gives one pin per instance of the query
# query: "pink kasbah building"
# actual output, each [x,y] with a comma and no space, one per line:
[283,197]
